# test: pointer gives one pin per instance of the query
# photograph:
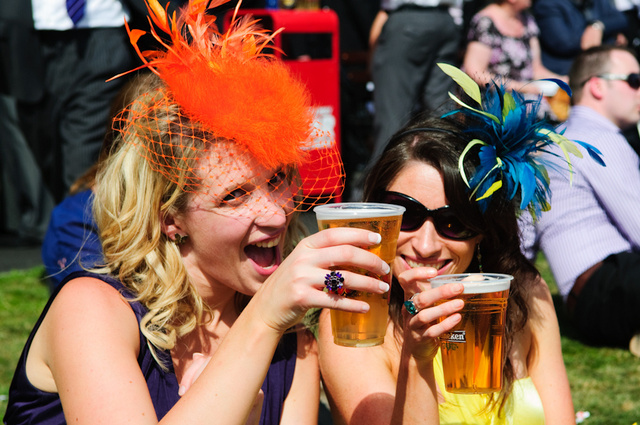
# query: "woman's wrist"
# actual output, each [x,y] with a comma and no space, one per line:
[421,352]
[597,24]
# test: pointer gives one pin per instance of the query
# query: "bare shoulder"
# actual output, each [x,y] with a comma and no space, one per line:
[86,313]
[360,383]
[542,313]
[376,364]
[90,287]
[87,299]
[538,293]
[89,306]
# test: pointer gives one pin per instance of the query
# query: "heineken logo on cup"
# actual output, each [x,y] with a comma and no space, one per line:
[454,336]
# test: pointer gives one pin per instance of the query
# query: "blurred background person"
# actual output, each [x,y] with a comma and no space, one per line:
[591,235]
[631,9]
[502,44]
[25,203]
[568,27]
[57,56]
[71,242]
[414,35]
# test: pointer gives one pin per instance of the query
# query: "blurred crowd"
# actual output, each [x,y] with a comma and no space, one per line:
[55,102]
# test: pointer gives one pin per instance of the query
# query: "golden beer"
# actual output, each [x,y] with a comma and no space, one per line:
[472,352]
[364,329]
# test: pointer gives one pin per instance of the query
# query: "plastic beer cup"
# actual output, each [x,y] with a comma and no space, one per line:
[364,329]
[473,352]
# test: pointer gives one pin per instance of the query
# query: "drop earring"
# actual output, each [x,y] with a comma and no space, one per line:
[179,239]
[479,258]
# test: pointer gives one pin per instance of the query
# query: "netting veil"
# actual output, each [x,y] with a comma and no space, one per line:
[228,120]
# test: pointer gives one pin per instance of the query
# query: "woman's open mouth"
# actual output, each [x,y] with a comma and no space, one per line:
[265,254]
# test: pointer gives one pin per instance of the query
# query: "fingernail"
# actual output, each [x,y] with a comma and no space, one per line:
[181,390]
[375,237]
[386,268]
[384,286]
[458,303]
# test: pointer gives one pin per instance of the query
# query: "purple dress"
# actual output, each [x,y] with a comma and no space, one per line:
[29,405]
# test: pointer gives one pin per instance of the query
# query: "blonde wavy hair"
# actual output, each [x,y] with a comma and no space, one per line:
[132,197]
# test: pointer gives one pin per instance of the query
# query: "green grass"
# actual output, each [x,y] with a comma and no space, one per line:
[23,295]
[604,381]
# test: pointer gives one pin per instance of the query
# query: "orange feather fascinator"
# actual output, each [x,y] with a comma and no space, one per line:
[227,83]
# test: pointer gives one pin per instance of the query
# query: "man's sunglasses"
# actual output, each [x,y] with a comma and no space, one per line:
[444,219]
[632,79]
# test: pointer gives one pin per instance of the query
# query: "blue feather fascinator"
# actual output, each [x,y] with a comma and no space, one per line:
[512,143]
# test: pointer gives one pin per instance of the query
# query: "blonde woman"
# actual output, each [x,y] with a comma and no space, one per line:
[192,319]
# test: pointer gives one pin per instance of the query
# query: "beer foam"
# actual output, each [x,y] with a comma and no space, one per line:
[475,283]
[357,210]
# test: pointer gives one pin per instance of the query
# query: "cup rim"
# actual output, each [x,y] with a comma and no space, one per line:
[497,282]
[357,210]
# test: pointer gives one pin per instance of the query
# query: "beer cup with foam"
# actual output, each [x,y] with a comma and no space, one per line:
[364,329]
[473,352]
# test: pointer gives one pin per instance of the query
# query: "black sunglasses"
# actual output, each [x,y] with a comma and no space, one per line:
[444,219]
[632,79]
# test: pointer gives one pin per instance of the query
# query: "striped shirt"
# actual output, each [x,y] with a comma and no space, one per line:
[599,214]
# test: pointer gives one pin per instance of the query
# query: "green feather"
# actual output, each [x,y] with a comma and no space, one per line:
[469,86]
[495,186]
[463,155]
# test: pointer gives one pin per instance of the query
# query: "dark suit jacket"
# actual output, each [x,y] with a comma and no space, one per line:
[20,61]
[562,23]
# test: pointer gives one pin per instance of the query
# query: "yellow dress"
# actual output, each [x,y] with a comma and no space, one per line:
[523,407]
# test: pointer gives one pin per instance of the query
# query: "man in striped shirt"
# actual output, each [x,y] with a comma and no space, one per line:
[591,235]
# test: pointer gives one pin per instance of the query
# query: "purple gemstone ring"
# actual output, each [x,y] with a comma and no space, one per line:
[333,281]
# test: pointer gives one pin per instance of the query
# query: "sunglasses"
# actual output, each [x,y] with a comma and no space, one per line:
[444,219]
[632,79]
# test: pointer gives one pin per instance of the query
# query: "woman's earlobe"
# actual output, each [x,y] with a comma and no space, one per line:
[179,239]
[172,229]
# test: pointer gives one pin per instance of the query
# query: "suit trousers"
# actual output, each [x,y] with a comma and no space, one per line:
[607,310]
[66,128]
[405,75]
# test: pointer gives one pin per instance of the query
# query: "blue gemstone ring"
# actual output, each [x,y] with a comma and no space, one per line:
[333,281]
[410,306]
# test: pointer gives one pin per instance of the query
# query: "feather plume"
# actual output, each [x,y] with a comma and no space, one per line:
[511,143]
[226,82]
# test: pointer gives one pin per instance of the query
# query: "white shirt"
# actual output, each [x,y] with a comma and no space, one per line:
[52,15]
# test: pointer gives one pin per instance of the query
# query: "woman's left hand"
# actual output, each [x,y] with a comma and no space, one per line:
[430,320]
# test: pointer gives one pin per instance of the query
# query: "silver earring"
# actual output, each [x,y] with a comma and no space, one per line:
[180,240]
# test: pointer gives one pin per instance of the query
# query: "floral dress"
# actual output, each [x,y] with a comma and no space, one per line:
[511,57]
